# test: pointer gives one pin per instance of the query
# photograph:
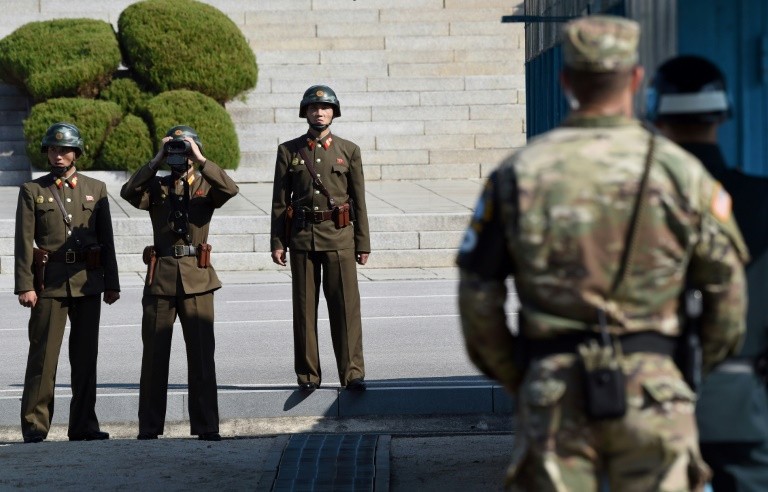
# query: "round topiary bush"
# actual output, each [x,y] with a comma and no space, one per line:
[211,121]
[63,57]
[95,120]
[128,146]
[127,93]
[186,44]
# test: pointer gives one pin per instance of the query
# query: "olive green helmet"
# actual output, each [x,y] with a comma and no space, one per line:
[180,131]
[319,94]
[62,135]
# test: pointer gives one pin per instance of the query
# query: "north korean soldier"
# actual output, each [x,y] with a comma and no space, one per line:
[601,224]
[65,260]
[319,213]
[180,277]
[688,102]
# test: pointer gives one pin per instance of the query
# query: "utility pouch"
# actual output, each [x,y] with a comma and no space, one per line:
[149,257]
[93,257]
[604,381]
[341,216]
[39,260]
[203,255]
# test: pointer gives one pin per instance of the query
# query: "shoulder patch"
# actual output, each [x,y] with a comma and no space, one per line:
[721,203]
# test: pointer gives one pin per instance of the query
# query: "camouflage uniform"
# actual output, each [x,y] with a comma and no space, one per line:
[555,217]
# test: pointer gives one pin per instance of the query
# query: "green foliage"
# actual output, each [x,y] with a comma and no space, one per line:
[127,93]
[128,146]
[186,44]
[63,57]
[211,121]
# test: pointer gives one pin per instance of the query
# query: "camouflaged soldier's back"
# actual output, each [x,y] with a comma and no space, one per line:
[577,187]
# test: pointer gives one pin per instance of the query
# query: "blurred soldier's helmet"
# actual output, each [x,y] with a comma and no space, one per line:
[319,94]
[181,131]
[62,135]
[688,89]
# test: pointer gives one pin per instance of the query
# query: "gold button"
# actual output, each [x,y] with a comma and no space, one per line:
[317,208]
[69,233]
[69,199]
[318,161]
[317,192]
[318,175]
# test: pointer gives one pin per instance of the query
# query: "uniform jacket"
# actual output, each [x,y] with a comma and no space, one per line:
[341,170]
[210,188]
[39,221]
[733,404]
[555,216]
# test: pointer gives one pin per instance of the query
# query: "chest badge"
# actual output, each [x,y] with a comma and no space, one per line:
[39,199]
[295,161]
[88,198]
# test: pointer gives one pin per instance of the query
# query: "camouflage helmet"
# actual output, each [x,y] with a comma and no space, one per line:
[62,135]
[179,132]
[687,89]
[319,94]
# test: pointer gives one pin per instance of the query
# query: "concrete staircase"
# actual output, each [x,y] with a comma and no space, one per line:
[429,89]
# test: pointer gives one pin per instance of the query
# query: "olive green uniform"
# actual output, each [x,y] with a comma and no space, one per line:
[317,245]
[70,290]
[180,288]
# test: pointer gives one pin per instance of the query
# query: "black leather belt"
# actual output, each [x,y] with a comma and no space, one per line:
[643,341]
[69,256]
[315,216]
[178,250]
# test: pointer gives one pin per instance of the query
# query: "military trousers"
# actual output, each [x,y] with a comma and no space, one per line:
[654,446]
[337,270]
[46,332]
[196,315]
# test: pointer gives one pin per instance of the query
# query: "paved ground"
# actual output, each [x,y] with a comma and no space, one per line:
[397,454]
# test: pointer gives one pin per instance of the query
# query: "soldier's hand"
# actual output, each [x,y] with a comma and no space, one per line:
[160,154]
[278,256]
[196,156]
[28,298]
[110,296]
[362,258]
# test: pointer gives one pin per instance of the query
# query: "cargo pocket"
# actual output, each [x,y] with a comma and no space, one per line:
[667,390]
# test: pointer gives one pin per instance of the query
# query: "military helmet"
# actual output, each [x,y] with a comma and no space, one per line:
[62,135]
[319,94]
[688,89]
[181,131]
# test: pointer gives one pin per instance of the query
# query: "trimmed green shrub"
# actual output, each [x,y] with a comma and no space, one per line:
[95,120]
[186,44]
[128,147]
[211,121]
[63,57]
[127,93]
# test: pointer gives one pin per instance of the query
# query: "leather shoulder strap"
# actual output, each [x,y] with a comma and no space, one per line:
[316,177]
[67,219]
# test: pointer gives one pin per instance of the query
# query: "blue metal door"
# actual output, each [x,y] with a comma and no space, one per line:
[734,34]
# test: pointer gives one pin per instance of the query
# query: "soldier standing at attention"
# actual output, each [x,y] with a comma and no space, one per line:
[65,258]
[601,224]
[688,102]
[319,182]
[180,278]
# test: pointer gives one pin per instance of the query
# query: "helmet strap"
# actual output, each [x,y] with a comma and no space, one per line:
[59,171]
[318,128]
